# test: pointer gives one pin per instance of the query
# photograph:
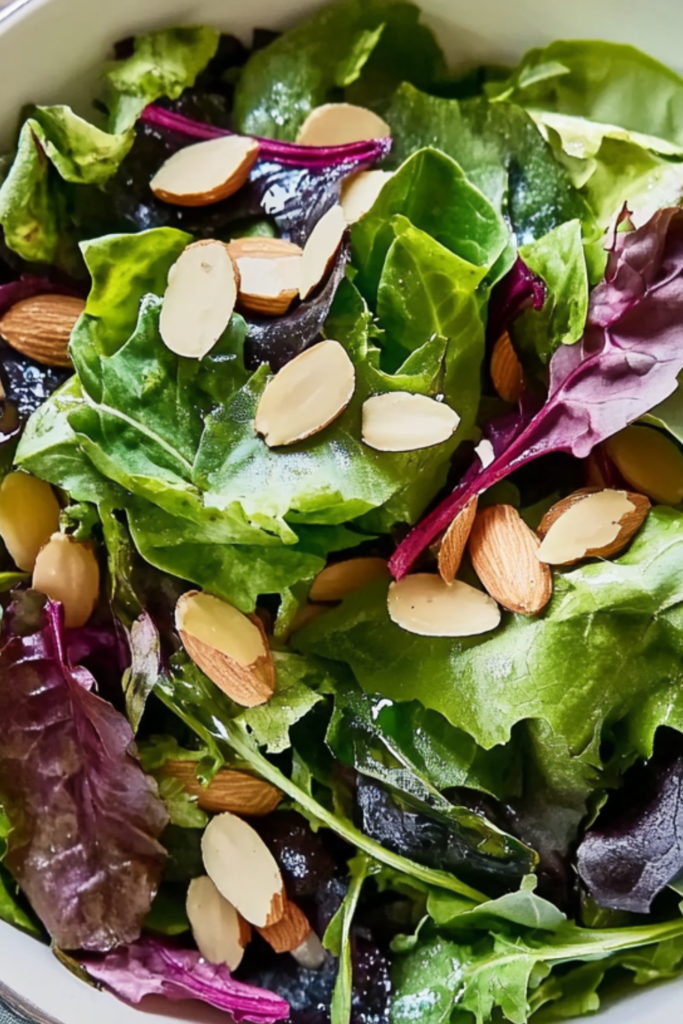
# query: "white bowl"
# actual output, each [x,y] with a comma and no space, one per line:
[51,52]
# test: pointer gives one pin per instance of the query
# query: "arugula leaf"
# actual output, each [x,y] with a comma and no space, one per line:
[522,908]
[370,46]
[558,259]
[337,939]
[607,82]
[207,711]
[163,64]
[141,678]
[620,619]
[501,151]
[432,192]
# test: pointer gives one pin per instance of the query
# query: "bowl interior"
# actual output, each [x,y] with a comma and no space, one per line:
[51,51]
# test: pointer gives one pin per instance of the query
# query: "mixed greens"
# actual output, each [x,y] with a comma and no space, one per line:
[466,822]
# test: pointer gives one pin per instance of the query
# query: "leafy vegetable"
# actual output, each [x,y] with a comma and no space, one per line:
[369,45]
[297,680]
[163,64]
[501,151]
[338,940]
[605,82]
[618,620]
[617,373]
[523,908]
[633,851]
[153,967]
[558,259]
[85,819]
[10,907]
[140,679]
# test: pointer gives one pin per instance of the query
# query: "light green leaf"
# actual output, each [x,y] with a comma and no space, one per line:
[163,64]
[82,153]
[295,694]
[522,908]
[338,940]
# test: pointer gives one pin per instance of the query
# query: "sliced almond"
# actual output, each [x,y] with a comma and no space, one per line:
[485,453]
[290,932]
[335,124]
[269,272]
[67,571]
[320,250]
[650,462]
[41,327]
[506,370]
[340,579]
[402,422]
[199,300]
[424,604]
[29,515]
[228,790]
[504,555]
[231,648]
[306,395]
[590,524]
[220,932]
[244,870]
[455,541]
[206,172]
[359,193]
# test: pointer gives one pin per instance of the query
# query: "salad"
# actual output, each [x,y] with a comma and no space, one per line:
[341,506]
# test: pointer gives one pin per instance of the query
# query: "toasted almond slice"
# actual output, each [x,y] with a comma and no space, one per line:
[41,327]
[650,462]
[506,370]
[306,395]
[290,932]
[335,124]
[228,790]
[199,300]
[359,193]
[503,551]
[67,571]
[29,515]
[206,172]
[244,870]
[590,524]
[220,932]
[321,249]
[454,541]
[269,271]
[402,422]
[424,604]
[340,579]
[229,647]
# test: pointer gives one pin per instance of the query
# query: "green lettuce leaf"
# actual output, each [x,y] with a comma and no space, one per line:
[431,191]
[49,200]
[621,622]
[501,151]
[367,47]
[605,82]
[558,258]
[163,64]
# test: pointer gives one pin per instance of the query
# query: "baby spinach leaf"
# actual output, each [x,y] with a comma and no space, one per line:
[558,259]
[163,64]
[432,192]
[607,82]
[501,151]
[368,45]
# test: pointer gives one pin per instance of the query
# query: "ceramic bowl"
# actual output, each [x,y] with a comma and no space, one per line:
[51,52]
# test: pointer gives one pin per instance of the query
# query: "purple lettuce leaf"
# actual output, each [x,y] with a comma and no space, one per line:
[635,849]
[627,362]
[295,185]
[85,818]
[154,967]
[277,340]
[519,289]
